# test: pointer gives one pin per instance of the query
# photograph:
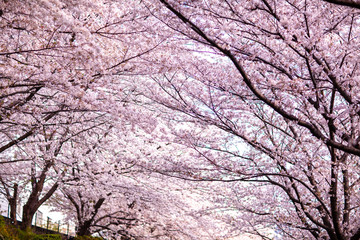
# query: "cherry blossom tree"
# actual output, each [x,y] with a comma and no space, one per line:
[115,193]
[262,92]
[51,153]
[98,213]
[57,62]
[88,193]
[71,47]
[282,78]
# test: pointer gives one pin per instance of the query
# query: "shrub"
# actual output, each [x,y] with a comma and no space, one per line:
[47,237]
[7,232]
[29,235]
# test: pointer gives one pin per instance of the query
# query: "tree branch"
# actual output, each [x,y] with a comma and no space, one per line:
[347,3]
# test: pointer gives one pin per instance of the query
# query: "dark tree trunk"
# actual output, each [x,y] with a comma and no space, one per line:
[33,204]
[84,227]
[12,199]
[13,205]
[34,201]
[27,216]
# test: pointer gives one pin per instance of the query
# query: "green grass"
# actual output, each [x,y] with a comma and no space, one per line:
[8,232]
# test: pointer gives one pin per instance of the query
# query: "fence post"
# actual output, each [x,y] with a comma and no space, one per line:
[47,224]
[35,219]
[59,226]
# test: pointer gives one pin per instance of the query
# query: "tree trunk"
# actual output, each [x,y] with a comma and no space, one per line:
[27,216]
[84,229]
[13,205]
[84,226]
[33,203]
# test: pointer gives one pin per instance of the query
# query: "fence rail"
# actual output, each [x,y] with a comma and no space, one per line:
[48,223]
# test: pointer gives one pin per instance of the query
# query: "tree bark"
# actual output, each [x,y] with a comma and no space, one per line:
[33,205]
[13,205]
[84,227]
[348,3]
[27,216]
